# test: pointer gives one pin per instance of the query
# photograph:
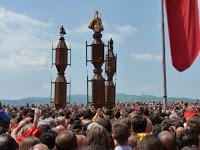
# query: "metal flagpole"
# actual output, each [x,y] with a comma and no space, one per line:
[163,59]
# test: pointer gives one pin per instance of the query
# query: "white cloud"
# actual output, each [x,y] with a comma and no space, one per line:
[125,29]
[24,41]
[120,33]
[115,37]
[146,57]
[83,28]
[23,60]
[7,16]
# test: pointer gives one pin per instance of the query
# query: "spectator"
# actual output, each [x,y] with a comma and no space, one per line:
[120,135]
[151,143]
[139,124]
[97,135]
[28,143]
[167,140]
[39,147]
[66,140]
[7,142]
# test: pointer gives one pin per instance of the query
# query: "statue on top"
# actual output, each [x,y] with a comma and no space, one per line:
[96,24]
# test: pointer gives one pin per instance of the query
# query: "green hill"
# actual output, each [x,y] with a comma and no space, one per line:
[81,99]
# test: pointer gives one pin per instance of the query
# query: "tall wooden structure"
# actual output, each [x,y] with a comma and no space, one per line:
[110,70]
[97,59]
[61,63]
[103,91]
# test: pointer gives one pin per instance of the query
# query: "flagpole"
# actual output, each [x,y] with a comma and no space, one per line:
[163,59]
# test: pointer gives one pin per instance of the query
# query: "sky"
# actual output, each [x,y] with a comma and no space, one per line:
[28,29]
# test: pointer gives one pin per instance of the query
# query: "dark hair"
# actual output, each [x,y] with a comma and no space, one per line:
[48,139]
[126,121]
[138,123]
[106,124]
[146,112]
[2,130]
[151,143]
[109,112]
[67,114]
[166,124]
[76,126]
[178,124]
[117,114]
[155,119]
[66,140]
[120,133]
[7,142]
[190,140]
[156,130]
[88,114]
[25,111]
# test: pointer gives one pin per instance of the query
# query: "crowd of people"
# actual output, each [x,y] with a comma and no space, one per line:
[128,126]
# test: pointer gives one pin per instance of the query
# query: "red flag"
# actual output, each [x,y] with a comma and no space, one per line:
[183,26]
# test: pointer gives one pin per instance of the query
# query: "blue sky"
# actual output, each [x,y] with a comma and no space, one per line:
[27,29]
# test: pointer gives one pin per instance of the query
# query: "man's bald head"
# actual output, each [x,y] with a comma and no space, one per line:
[59,129]
[66,140]
[180,132]
[167,140]
[39,147]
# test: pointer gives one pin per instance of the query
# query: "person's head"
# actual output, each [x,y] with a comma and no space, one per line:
[59,129]
[39,147]
[28,143]
[120,133]
[76,126]
[166,124]
[167,140]
[194,122]
[7,142]
[138,123]
[66,140]
[146,111]
[151,143]
[88,114]
[109,112]
[81,141]
[25,111]
[97,135]
[4,119]
[180,131]
[94,147]
[190,140]
[106,124]
[48,139]
[117,114]
[178,124]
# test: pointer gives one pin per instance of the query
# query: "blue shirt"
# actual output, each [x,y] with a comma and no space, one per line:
[123,148]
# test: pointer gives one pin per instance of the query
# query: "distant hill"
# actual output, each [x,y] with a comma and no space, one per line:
[81,99]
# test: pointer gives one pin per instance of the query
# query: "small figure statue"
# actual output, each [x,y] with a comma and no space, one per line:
[62,31]
[96,24]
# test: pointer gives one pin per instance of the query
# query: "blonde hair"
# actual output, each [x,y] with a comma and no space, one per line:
[28,143]
[97,135]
